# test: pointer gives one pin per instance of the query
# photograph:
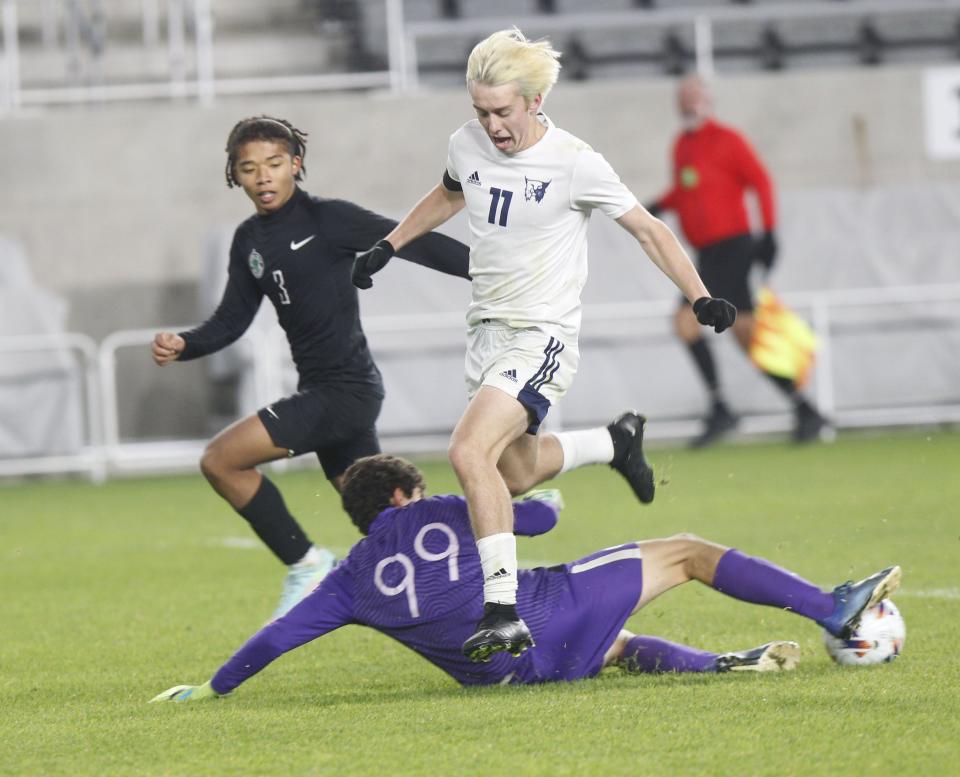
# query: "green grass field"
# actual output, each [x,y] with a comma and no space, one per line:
[111,594]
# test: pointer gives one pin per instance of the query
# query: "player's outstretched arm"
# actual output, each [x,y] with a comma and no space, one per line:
[434,209]
[181,693]
[167,347]
[663,248]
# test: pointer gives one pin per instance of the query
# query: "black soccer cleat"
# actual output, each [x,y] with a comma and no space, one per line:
[810,425]
[772,657]
[628,458]
[718,423]
[500,629]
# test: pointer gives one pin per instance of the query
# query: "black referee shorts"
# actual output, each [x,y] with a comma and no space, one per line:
[725,269]
[336,422]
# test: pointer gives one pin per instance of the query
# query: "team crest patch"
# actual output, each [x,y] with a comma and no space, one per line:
[256,263]
[535,189]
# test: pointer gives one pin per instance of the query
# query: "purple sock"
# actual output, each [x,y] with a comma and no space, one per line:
[752,579]
[650,654]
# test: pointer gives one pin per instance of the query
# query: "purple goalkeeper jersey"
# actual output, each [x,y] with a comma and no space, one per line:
[417,578]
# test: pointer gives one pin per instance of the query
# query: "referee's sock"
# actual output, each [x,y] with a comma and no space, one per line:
[789,389]
[706,366]
[268,516]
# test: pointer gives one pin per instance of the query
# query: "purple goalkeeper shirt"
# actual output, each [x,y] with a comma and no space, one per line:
[417,578]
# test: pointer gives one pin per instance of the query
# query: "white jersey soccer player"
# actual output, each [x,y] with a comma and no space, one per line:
[528,215]
[529,188]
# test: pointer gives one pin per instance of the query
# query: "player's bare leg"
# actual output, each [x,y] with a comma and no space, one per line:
[230,465]
[491,423]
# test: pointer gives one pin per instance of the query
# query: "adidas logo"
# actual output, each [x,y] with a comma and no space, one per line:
[510,375]
[498,574]
[474,178]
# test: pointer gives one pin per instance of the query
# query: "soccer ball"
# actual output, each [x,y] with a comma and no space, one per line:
[877,640]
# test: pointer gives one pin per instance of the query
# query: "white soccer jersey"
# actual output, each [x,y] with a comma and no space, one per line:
[528,216]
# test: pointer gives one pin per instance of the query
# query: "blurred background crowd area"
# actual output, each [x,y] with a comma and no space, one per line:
[115,219]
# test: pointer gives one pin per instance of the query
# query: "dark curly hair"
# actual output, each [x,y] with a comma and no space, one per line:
[265,128]
[369,483]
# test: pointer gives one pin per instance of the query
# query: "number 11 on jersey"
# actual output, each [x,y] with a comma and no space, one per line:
[495,196]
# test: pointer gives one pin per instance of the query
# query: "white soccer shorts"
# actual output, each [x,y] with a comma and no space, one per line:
[528,364]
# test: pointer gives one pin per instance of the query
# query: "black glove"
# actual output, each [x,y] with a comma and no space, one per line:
[715,312]
[370,262]
[766,250]
[653,208]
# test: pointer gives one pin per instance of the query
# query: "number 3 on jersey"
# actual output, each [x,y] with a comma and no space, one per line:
[284,294]
[495,196]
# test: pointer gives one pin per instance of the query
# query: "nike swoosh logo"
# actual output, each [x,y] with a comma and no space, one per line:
[301,244]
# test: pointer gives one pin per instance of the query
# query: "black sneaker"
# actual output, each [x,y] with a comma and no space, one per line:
[628,458]
[810,425]
[718,423]
[499,629]
[772,657]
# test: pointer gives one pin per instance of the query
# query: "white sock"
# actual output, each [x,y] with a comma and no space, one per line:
[498,558]
[312,556]
[586,446]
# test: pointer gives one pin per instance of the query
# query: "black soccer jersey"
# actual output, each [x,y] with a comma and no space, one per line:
[301,258]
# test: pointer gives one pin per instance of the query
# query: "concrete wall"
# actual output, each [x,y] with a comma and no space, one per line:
[123,194]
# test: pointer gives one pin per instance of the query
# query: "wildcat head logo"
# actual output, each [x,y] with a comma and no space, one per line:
[535,189]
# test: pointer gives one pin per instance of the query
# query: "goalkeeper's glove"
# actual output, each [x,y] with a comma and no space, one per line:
[187,693]
[370,262]
[766,252]
[715,312]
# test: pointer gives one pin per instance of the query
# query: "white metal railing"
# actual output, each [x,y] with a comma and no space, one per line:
[404,40]
[106,451]
[89,458]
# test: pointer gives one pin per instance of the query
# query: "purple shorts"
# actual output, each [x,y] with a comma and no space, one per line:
[575,612]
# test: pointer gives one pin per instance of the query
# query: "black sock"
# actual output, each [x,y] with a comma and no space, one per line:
[268,516]
[707,368]
[789,388]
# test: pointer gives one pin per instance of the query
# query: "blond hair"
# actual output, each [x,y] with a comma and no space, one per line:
[507,56]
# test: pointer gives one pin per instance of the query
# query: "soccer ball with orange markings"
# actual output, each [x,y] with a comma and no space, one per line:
[877,640]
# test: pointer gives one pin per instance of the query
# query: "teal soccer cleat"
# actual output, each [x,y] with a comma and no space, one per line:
[301,580]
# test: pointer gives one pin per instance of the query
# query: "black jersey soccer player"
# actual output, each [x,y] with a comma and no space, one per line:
[298,251]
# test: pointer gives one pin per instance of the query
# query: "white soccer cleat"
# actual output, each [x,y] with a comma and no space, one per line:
[772,657]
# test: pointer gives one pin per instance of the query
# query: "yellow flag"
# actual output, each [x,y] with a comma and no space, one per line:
[782,344]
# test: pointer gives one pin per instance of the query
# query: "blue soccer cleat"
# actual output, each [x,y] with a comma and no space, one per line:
[302,579]
[772,657]
[851,600]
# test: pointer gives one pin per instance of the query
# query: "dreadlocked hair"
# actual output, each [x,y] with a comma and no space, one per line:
[368,485]
[265,128]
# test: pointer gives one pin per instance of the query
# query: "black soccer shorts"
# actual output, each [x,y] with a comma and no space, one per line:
[337,422]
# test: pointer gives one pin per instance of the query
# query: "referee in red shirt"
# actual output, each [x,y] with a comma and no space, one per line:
[713,166]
